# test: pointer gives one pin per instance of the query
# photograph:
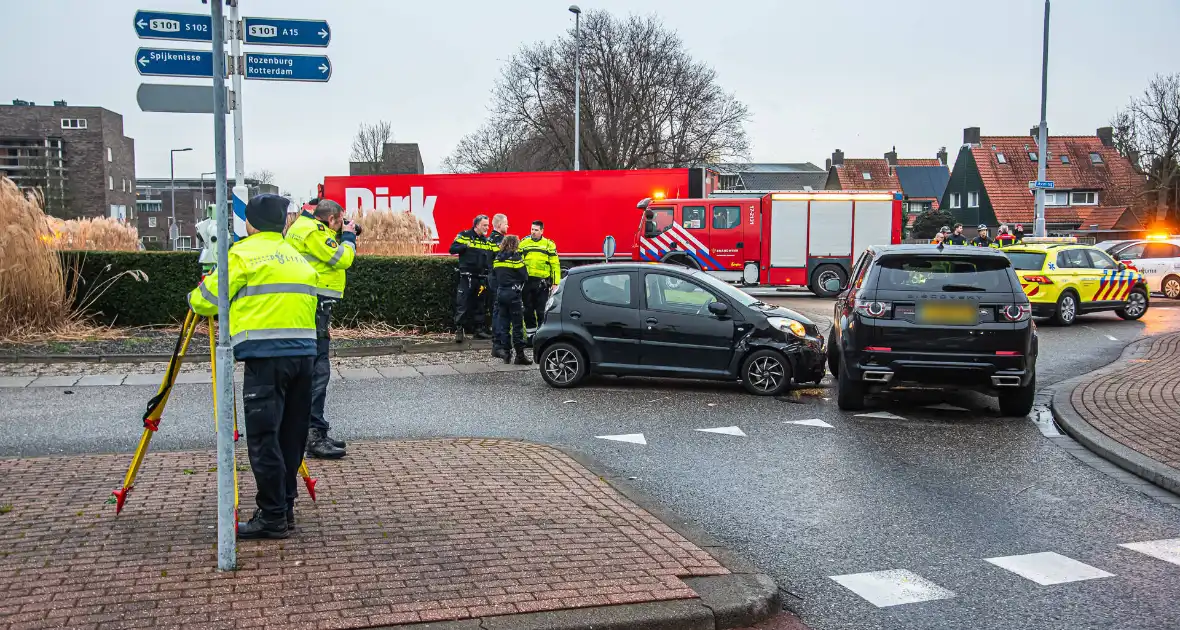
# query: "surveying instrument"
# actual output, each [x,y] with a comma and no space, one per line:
[207,236]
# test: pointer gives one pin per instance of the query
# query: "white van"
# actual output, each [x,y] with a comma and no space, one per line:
[1159,260]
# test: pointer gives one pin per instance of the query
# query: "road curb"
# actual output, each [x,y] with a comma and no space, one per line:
[203,357]
[1078,428]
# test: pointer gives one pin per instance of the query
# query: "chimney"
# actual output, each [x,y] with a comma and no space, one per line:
[838,158]
[1035,132]
[891,157]
[828,164]
[1106,135]
[942,156]
[971,136]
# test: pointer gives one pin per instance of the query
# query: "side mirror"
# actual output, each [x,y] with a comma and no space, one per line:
[1122,266]
[608,247]
[720,309]
[832,285]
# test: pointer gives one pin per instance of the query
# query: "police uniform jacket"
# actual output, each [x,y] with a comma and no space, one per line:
[475,252]
[508,275]
[329,257]
[540,258]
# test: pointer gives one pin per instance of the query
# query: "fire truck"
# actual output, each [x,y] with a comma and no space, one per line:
[772,239]
[579,208]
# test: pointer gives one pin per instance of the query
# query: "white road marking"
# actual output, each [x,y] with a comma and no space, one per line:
[813,422]
[880,414]
[734,431]
[567,402]
[1111,338]
[893,587]
[1166,550]
[1048,568]
[634,438]
[945,407]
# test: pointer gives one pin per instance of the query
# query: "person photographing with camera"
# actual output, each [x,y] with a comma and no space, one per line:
[327,240]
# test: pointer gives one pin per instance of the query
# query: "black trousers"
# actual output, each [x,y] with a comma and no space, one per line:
[470,305]
[277,398]
[322,371]
[534,296]
[509,323]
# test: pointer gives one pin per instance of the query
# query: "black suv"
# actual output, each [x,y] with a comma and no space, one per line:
[670,321]
[947,316]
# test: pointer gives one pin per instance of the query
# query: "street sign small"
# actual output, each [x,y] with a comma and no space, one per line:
[187,27]
[284,32]
[276,67]
[1042,184]
[168,62]
[175,99]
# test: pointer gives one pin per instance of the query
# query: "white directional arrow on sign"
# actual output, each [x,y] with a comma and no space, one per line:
[323,68]
[323,33]
[633,438]
[143,61]
[141,24]
[734,431]
[813,422]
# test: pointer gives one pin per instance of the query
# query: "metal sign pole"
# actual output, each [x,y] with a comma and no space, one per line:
[227,551]
[235,52]
[1043,140]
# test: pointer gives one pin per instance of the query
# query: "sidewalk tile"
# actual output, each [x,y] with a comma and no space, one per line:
[101,380]
[55,381]
[399,371]
[436,370]
[359,374]
[473,368]
[500,366]
[144,379]
[16,381]
[197,378]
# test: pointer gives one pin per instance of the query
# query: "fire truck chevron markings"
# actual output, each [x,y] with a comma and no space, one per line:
[633,438]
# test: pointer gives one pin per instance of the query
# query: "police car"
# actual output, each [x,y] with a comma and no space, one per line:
[1063,280]
[1158,258]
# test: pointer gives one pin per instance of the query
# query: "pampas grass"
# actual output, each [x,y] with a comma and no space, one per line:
[393,234]
[98,234]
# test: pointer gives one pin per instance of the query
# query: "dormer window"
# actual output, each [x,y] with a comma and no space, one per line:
[1096,158]
[1032,155]
[1064,159]
[867,175]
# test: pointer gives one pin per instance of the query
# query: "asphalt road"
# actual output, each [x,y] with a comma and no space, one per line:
[931,492]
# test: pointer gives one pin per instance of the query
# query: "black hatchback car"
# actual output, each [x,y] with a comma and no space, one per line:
[945,316]
[660,320]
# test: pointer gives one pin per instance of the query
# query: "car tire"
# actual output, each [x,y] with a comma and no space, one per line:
[850,394]
[1067,309]
[1171,287]
[1018,401]
[825,272]
[1136,305]
[563,365]
[766,373]
[833,356]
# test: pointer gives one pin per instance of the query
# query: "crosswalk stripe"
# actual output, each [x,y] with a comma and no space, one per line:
[1047,568]
[892,588]
[1167,550]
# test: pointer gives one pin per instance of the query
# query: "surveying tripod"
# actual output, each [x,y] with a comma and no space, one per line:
[155,409]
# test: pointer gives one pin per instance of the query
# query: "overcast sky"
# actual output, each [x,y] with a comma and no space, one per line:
[859,75]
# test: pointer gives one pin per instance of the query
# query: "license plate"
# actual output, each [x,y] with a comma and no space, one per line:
[948,314]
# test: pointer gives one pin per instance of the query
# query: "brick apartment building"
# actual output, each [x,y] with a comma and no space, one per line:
[77,156]
[153,208]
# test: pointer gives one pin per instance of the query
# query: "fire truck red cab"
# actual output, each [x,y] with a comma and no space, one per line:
[773,239]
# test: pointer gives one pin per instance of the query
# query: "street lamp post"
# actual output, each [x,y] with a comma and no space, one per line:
[577,83]
[203,201]
[172,186]
[1043,141]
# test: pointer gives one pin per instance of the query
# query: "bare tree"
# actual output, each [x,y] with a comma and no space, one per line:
[645,104]
[369,144]
[263,176]
[1147,133]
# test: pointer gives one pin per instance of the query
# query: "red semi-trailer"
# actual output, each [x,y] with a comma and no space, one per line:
[579,208]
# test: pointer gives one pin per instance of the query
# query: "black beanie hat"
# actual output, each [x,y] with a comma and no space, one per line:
[267,212]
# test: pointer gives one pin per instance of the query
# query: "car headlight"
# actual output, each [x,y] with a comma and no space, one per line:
[787,325]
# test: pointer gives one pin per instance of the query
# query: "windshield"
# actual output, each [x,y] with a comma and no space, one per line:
[1027,261]
[943,273]
[658,223]
[733,293]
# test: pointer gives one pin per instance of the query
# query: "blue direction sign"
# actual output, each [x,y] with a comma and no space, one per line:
[188,27]
[277,67]
[167,62]
[1042,184]
[283,32]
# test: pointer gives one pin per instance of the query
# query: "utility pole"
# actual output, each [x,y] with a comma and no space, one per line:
[1043,142]
[235,51]
[577,84]
[227,550]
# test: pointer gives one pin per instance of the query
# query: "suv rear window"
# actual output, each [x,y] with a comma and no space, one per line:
[1027,261]
[943,273]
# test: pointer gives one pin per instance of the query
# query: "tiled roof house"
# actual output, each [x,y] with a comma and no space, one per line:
[921,181]
[769,176]
[1096,189]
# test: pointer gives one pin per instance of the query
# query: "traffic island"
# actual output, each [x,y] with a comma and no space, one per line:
[479,533]
[1129,412]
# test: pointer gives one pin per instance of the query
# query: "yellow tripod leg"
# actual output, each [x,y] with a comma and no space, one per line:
[152,420]
[213,363]
[308,480]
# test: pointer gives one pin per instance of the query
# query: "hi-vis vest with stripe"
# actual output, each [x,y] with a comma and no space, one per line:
[327,256]
[272,299]
[540,257]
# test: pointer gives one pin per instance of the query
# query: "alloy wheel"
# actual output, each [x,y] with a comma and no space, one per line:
[1136,304]
[561,366]
[1069,309]
[825,275]
[1172,288]
[766,373]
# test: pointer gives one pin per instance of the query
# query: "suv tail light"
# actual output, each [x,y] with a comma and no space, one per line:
[1038,279]
[1016,312]
[874,309]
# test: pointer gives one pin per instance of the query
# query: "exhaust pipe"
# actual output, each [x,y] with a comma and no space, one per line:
[877,376]
[1006,381]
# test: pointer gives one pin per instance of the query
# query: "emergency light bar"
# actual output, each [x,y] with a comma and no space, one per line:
[836,196]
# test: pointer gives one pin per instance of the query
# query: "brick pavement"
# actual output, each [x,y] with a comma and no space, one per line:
[1137,404]
[404,531]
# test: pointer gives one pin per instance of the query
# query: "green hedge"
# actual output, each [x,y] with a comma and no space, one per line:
[399,291]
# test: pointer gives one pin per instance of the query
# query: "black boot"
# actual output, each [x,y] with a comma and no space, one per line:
[507,356]
[521,357]
[497,353]
[334,442]
[260,527]
[483,334]
[460,336]
[319,447]
[291,520]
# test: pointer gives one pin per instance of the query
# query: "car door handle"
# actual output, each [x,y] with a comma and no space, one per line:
[575,314]
[651,320]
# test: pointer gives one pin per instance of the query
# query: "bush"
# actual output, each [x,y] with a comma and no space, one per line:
[927,224]
[406,291]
